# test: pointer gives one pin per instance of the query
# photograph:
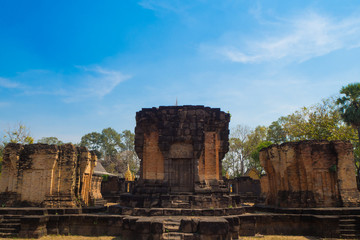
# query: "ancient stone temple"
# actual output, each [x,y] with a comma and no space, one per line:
[48,176]
[310,174]
[181,148]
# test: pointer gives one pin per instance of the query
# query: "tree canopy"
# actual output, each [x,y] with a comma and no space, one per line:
[349,105]
[321,121]
[349,109]
[18,133]
[50,140]
[116,150]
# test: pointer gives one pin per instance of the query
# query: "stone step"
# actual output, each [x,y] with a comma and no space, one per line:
[182,205]
[348,231]
[10,225]
[9,230]
[171,226]
[100,202]
[8,235]
[347,220]
[349,236]
[11,220]
[172,236]
[347,226]
[177,236]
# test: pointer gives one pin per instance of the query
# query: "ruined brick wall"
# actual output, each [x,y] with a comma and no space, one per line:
[46,175]
[153,160]
[176,138]
[310,174]
[96,188]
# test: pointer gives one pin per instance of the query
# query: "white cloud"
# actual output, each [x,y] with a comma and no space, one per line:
[6,83]
[177,6]
[296,40]
[94,82]
[100,81]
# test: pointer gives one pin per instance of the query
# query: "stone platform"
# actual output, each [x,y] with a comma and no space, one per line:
[196,224]
[184,200]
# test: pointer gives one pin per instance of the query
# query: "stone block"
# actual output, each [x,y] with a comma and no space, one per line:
[213,226]
[143,226]
[189,225]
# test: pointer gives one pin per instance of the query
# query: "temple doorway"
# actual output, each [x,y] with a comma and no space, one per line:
[181,175]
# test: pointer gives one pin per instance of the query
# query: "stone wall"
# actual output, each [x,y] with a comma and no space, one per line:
[246,187]
[181,145]
[310,174]
[95,193]
[46,175]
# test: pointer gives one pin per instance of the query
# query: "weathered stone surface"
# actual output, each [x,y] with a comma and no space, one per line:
[47,175]
[213,227]
[189,225]
[181,146]
[95,192]
[310,174]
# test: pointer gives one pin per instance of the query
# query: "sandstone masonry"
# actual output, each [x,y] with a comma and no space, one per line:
[48,176]
[182,146]
[310,174]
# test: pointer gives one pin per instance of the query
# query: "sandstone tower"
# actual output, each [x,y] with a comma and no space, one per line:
[181,148]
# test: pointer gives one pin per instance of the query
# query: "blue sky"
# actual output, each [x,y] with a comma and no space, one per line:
[68,68]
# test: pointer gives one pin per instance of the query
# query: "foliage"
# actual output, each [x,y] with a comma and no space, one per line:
[255,160]
[50,140]
[350,104]
[105,177]
[276,132]
[319,122]
[116,150]
[349,108]
[322,121]
[243,141]
[18,134]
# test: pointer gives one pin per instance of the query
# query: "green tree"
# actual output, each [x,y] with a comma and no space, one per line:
[18,134]
[349,108]
[350,105]
[276,132]
[50,140]
[114,149]
[93,141]
[111,142]
[318,122]
[243,141]
[255,160]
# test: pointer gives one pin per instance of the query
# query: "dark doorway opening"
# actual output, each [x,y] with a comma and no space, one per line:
[181,175]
